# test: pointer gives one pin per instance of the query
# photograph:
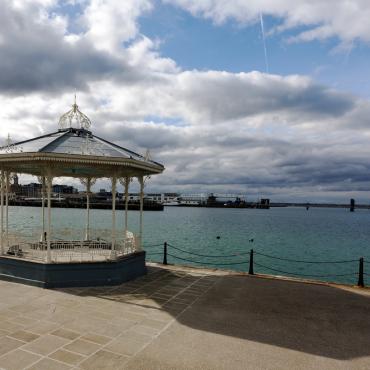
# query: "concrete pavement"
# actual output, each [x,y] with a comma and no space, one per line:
[182,318]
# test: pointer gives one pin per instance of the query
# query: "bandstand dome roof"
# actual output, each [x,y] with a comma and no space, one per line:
[74,151]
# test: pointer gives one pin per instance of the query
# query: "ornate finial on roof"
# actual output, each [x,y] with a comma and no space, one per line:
[74,116]
[9,146]
[8,141]
[147,155]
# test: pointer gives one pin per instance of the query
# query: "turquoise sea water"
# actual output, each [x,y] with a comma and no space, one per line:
[320,234]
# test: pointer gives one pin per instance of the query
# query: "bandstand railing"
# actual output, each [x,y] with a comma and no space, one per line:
[72,251]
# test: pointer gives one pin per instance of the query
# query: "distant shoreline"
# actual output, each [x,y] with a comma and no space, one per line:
[56,203]
[153,206]
[319,205]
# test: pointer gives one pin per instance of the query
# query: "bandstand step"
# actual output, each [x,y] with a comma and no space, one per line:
[59,275]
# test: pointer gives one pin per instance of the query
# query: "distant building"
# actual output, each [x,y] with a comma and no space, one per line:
[64,189]
[169,197]
[211,200]
[155,197]
[33,189]
[193,199]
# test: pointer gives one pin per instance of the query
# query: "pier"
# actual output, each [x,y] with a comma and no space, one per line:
[186,318]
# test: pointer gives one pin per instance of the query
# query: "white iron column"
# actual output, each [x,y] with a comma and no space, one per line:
[127,182]
[42,238]
[114,186]
[7,186]
[88,189]
[141,181]
[2,179]
[49,181]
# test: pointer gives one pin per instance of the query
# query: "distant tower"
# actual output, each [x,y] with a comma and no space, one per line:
[352,207]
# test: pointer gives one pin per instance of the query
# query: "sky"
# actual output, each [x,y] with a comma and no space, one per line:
[268,98]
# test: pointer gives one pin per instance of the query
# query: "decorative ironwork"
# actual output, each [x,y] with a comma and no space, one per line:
[9,147]
[89,146]
[88,182]
[85,147]
[122,180]
[147,156]
[73,116]
[146,178]
[72,251]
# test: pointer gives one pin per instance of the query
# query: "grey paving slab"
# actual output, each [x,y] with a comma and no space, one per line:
[49,364]
[70,358]
[104,360]
[43,327]
[45,344]
[23,335]
[3,333]
[67,334]
[82,347]
[96,338]
[7,344]
[18,360]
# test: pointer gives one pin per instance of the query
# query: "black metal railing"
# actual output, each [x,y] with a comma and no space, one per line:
[169,250]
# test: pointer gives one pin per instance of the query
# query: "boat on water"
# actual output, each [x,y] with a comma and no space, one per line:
[171,203]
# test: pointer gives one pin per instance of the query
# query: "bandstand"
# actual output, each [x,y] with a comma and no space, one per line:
[73,151]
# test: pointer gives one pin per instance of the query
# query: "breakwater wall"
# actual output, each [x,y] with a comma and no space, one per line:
[56,203]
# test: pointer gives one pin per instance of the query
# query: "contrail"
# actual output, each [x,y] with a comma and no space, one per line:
[264,43]
[348,53]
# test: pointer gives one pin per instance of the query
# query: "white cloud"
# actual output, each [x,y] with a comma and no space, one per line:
[143,54]
[347,20]
[111,22]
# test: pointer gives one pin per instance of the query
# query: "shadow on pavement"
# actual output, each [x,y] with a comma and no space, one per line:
[316,319]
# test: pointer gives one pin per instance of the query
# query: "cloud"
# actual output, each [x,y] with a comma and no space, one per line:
[320,19]
[109,23]
[255,133]
[222,96]
[39,54]
[200,98]
[35,56]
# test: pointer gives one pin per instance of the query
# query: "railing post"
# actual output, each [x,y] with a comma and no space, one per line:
[165,253]
[251,272]
[361,273]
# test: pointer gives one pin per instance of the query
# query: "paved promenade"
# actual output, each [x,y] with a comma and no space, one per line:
[179,318]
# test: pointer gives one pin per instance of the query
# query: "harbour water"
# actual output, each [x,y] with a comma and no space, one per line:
[319,234]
